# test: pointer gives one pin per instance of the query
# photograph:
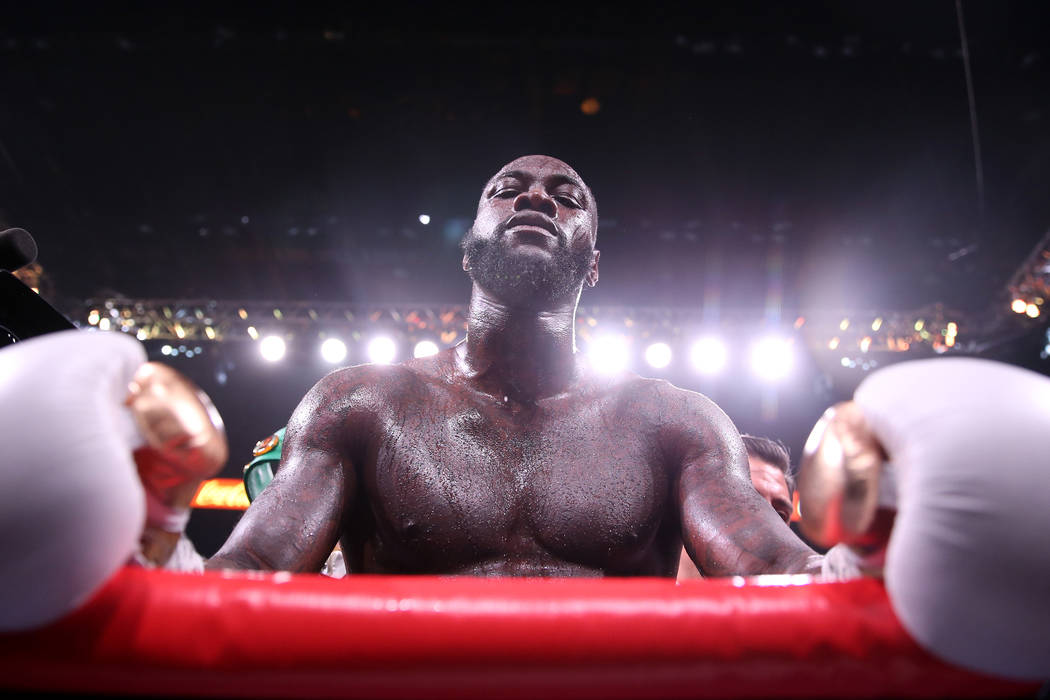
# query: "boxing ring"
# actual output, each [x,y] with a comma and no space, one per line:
[152,632]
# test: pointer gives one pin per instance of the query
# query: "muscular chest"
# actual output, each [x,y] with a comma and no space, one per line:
[466,481]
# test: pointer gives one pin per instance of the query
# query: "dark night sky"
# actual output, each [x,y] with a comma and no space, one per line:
[285,153]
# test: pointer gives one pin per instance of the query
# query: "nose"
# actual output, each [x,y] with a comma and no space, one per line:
[536,200]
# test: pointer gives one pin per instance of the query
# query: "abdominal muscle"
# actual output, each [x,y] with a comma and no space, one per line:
[530,568]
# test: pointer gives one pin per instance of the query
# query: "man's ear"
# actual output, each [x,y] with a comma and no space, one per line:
[592,272]
[466,263]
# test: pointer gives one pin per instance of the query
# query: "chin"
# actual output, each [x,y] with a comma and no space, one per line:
[527,276]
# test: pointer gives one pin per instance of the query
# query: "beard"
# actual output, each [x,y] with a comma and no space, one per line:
[522,279]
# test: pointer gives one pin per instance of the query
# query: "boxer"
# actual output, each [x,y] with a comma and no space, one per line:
[104,454]
[937,476]
[508,455]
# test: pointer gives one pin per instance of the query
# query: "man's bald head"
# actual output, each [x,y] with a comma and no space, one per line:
[540,161]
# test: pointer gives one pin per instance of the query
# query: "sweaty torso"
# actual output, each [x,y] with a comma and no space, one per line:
[451,480]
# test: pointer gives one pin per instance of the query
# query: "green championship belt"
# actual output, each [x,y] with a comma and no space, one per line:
[258,473]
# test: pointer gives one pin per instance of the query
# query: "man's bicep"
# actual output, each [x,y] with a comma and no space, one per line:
[727,527]
[294,523]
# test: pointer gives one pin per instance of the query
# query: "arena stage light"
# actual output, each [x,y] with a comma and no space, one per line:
[609,353]
[772,358]
[708,355]
[333,350]
[381,350]
[658,355]
[272,348]
[425,348]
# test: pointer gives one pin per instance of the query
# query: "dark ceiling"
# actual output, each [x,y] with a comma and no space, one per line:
[287,153]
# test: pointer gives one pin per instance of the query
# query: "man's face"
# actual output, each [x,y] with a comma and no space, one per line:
[771,484]
[532,242]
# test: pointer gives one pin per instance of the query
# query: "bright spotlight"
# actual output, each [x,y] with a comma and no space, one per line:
[424,219]
[609,353]
[772,358]
[1019,306]
[333,350]
[1032,311]
[272,348]
[658,355]
[708,355]
[381,350]
[425,348]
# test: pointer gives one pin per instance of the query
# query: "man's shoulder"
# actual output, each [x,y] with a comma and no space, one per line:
[364,381]
[661,398]
[383,382]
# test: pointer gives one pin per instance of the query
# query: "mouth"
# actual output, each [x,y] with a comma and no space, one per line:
[534,222]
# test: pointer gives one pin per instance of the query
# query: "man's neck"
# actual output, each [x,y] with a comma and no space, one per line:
[518,353]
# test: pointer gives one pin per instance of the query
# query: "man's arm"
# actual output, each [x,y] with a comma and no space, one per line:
[296,521]
[727,528]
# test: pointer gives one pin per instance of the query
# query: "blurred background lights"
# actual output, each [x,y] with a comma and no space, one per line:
[424,219]
[1031,310]
[333,350]
[772,358]
[708,355]
[658,355]
[609,353]
[425,348]
[1019,306]
[272,348]
[381,350]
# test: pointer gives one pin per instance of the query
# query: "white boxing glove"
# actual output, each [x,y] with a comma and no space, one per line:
[72,504]
[968,561]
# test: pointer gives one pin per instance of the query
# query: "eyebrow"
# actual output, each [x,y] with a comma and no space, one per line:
[552,181]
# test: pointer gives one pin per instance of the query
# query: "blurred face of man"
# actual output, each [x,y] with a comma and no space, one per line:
[532,242]
[771,484]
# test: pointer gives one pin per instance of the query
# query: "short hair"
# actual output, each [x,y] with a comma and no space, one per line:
[772,452]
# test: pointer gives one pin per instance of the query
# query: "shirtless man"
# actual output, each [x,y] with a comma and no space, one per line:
[507,455]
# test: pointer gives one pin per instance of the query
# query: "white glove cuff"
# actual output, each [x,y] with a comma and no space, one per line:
[164,517]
